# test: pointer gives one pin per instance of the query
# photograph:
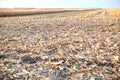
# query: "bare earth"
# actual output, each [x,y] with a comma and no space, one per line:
[75,45]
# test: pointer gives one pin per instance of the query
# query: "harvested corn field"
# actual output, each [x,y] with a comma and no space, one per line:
[81,44]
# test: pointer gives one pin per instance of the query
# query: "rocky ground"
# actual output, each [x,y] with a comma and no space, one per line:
[80,45]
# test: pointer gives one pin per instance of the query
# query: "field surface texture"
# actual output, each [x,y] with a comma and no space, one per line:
[78,44]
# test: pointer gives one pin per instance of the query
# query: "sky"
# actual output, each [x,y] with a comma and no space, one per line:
[59,3]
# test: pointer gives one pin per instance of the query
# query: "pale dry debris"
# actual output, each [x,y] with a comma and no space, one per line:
[74,45]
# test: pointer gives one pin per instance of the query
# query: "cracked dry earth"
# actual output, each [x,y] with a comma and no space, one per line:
[80,45]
